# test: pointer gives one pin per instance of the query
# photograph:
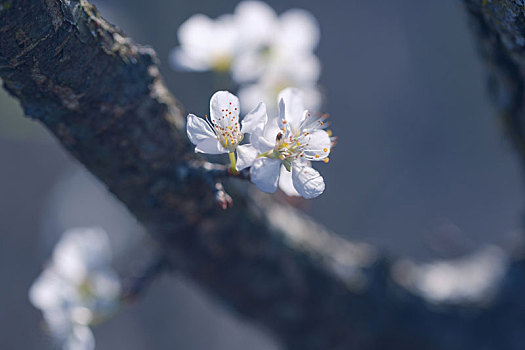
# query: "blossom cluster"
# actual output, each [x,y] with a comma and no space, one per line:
[280,147]
[78,288]
[262,51]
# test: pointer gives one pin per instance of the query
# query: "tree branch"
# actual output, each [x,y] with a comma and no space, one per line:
[102,96]
[500,32]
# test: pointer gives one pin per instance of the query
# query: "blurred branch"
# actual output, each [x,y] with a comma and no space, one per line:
[137,284]
[102,96]
[500,32]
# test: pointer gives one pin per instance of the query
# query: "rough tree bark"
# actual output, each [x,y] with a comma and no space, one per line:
[102,96]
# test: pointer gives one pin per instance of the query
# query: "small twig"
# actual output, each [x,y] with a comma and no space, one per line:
[213,174]
[138,284]
[203,169]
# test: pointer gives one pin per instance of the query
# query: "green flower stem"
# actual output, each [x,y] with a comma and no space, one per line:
[233,163]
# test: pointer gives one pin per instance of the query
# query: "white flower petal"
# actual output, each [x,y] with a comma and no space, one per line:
[81,314]
[299,30]
[62,326]
[264,173]
[260,143]
[202,136]
[81,338]
[196,35]
[264,140]
[81,250]
[224,108]
[248,66]
[179,60]
[271,129]
[225,36]
[58,323]
[308,69]
[246,155]
[282,112]
[274,79]
[195,31]
[286,184]
[257,25]
[298,70]
[198,129]
[292,99]
[256,22]
[307,181]
[255,120]
[210,146]
[251,95]
[206,43]
[105,284]
[47,291]
[313,97]
[318,144]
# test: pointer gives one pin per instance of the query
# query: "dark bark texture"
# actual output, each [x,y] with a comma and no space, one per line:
[102,96]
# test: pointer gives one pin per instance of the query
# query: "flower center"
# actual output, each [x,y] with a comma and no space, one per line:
[227,128]
[288,147]
[221,63]
[292,145]
[229,136]
[85,288]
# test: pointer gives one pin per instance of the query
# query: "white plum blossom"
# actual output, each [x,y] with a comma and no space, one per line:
[221,133]
[206,44]
[78,288]
[281,148]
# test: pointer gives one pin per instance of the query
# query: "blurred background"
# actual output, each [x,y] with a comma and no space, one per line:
[422,168]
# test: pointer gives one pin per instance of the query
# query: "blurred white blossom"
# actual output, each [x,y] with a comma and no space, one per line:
[278,52]
[267,41]
[78,288]
[264,52]
[281,148]
[206,44]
